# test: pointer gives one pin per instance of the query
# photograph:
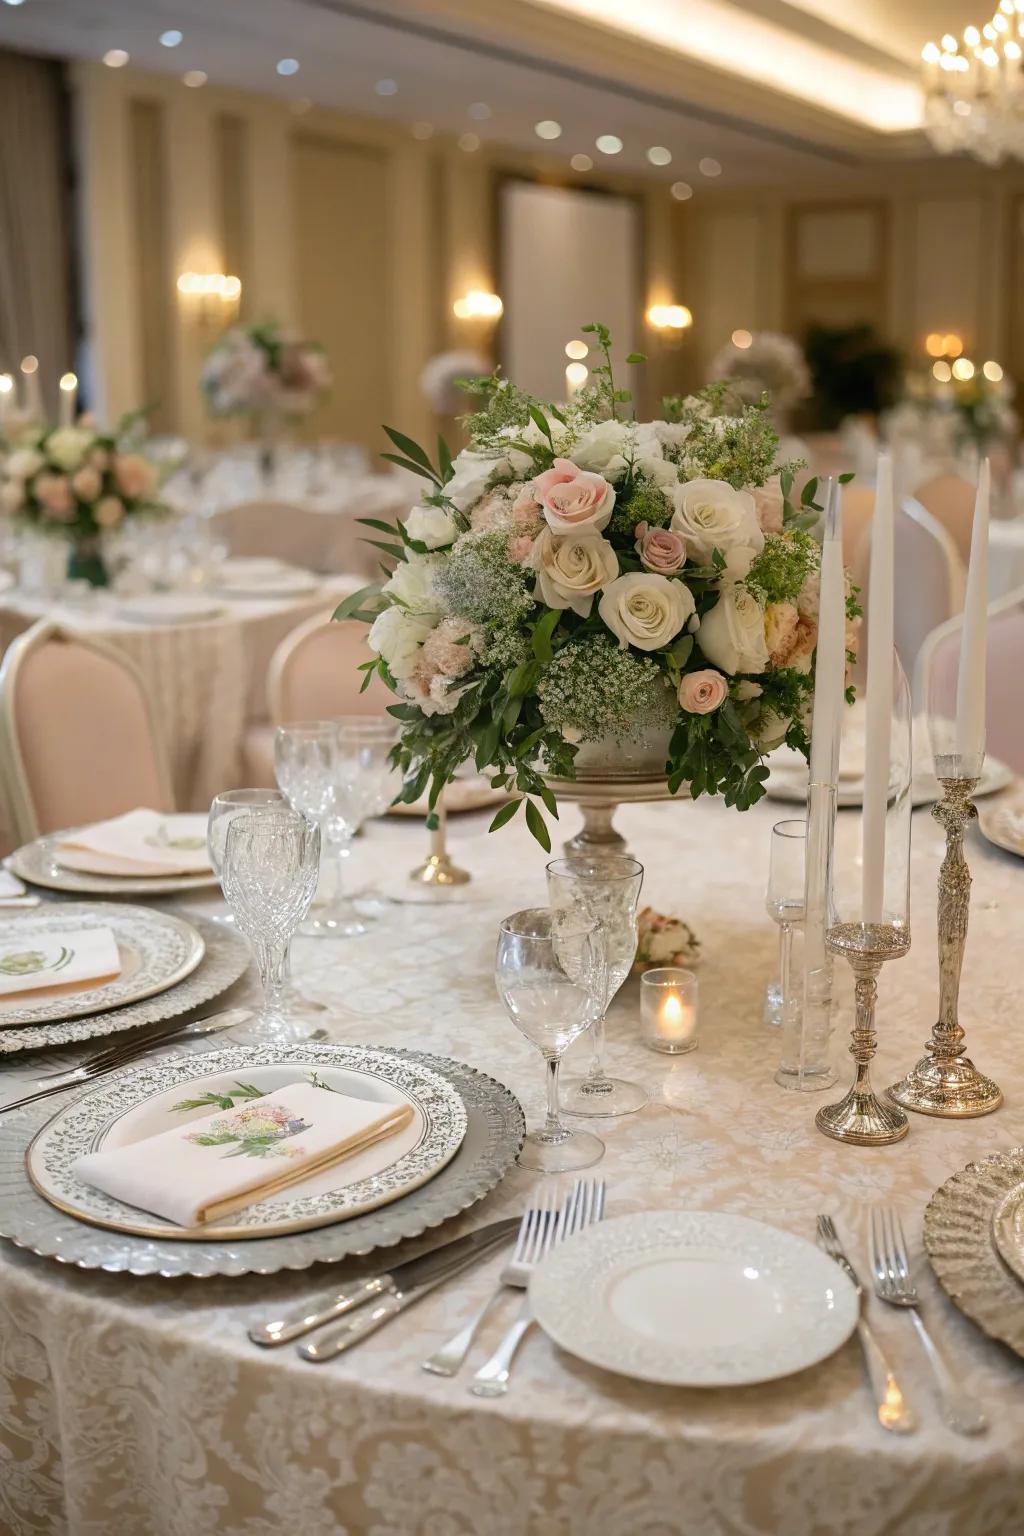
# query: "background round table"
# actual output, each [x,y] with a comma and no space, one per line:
[138,1405]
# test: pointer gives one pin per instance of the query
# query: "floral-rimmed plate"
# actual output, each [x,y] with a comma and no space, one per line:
[693,1299]
[156,951]
[146,1100]
[38,863]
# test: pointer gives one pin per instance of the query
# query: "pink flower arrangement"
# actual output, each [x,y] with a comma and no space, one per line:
[75,480]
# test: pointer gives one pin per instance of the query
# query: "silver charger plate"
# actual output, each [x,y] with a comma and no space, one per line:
[226,958]
[157,950]
[959,1243]
[37,863]
[1008,1229]
[495,1130]
[159,1095]
[1003,825]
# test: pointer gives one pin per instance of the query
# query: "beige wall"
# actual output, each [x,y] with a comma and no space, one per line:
[347,227]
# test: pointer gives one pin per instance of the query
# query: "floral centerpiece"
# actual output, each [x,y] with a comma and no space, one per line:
[264,371]
[770,364]
[77,483]
[946,416]
[575,576]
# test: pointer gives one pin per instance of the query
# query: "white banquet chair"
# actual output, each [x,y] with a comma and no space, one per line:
[313,675]
[938,663]
[950,500]
[79,740]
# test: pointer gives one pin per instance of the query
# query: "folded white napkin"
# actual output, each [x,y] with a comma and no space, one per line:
[141,843]
[47,960]
[205,1170]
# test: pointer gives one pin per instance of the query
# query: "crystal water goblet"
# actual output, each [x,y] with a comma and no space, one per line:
[305,761]
[784,903]
[605,887]
[366,781]
[549,970]
[269,875]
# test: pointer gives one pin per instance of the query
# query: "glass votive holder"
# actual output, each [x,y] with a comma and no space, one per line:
[669,1016]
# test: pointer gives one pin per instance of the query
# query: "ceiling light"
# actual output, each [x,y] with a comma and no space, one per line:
[972,37]
[194,78]
[742,339]
[6,380]
[115,58]
[386,88]
[13,2]
[681,190]
[470,142]
[576,350]
[287,66]
[659,155]
[952,346]
[992,372]
[942,371]
[171,39]
[477,305]
[931,52]
[1012,49]
[30,364]
[949,42]
[479,111]
[709,167]
[581,163]
[934,344]
[548,129]
[609,144]
[669,317]
[423,130]
[963,369]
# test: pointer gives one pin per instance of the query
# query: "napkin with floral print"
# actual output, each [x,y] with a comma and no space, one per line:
[37,961]
[205,1170]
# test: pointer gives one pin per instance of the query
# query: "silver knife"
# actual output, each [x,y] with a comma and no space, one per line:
[135,1045]
[406,1281]
[87,1074]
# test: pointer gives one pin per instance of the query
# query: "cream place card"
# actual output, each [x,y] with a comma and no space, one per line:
[74,958]
[141,842]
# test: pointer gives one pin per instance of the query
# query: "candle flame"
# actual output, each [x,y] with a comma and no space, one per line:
[672,1012]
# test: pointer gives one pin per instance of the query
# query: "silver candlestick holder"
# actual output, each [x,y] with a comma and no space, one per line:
[946,1082]
[860,1117]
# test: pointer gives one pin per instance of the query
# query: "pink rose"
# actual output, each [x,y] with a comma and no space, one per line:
[574,500]
[99,458]
[86,484]
[660,549]
[526,503]
[134,475]
[54,493]
[768,505]
[700,693]
[108,511]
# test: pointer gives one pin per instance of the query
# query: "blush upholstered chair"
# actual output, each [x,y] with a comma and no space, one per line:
[938,663]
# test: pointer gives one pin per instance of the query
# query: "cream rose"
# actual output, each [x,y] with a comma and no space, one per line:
[732,634]
[711,515]
[700,693]
[432,526]
[644,610]
[571,568]
[67,446]
[604,443]
[574,503]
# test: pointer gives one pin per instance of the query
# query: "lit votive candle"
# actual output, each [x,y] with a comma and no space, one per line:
[669,1010]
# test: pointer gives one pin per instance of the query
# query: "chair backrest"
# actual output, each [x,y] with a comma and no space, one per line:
[314,673]
[950,500]
[929,581]
[329,542]
[938,664]
[78,738]
[858,510]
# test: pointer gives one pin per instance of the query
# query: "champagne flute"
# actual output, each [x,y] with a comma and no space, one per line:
[784,901]
[550,974]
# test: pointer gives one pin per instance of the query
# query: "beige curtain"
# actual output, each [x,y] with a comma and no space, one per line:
[35,220]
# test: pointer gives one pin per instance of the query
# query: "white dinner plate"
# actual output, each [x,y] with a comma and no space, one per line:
[693,1299]
[1004,826]
[169,608]
[146,1100]
[156,951]
[38,862]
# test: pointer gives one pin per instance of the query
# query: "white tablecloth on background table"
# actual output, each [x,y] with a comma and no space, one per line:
[138,1405]
[206,680]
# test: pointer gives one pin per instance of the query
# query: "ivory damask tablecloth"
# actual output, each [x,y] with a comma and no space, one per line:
[136,1407]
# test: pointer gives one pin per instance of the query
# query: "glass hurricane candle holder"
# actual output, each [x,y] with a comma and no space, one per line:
[669,1010]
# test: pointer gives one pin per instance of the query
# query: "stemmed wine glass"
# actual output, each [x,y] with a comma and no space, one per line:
[305,761]
[551,977]
[223,809]
[605,887]
[269,875]
[784,901]
[365,783]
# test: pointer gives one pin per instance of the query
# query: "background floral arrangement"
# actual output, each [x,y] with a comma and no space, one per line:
[76,481]
[948,417]
[572,576]
[664,940]
[772,364]
[264,370]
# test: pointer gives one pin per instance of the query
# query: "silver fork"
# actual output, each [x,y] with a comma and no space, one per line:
[535,1235]
[894,1284]
[890,1405]
[584,1206]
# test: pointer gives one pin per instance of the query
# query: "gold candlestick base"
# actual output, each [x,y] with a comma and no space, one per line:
[439,870]
[945,1082]
[860,1117]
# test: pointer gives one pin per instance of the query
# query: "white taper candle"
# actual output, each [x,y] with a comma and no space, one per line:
[877,750]
[830,655]
[970,683]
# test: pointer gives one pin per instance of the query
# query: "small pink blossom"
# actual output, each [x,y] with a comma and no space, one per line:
[769,505]
[521,548]
[660,549]
[526,503]
[562,472]
[108,511]
[135,475]
[54,494]
[86,483]
[700,693]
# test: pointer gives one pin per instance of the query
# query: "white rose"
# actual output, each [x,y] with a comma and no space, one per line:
[469,481]
[412,583]
[432,526]
[597,448]
[711,515]
[645,610]
[23,463]
[572,568]
[770,731]
[732,634]
[398,637]
[67,446]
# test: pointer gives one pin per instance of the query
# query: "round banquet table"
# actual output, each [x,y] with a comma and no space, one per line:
[138,1405]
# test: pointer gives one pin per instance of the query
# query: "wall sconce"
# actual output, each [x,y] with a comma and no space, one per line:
[669,317]
[478,305]
[211,298]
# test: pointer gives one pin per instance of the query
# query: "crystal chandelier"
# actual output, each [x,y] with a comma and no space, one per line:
[974,88]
